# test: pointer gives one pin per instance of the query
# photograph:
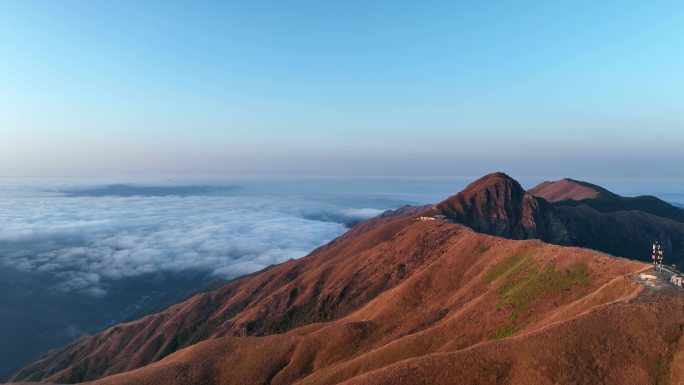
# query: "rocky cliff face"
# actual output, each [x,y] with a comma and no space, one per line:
[496,204]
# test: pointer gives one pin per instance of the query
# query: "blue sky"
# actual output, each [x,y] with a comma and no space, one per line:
[340,89]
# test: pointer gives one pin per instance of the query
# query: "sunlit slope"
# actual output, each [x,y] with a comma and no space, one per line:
[451,301]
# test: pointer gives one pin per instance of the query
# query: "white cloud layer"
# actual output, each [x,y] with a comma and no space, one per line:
[87,241]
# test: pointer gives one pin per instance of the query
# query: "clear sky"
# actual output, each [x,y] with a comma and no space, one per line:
[349,88]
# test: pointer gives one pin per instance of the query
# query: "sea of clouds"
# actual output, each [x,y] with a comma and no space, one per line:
[89,242]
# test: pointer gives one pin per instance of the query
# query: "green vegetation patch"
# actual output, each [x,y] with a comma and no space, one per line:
[504,332]
[514,263]
[519,292]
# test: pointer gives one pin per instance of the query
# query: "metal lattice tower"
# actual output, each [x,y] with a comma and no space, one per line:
[657,256]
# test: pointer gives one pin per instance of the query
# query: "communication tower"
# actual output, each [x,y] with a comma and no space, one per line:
[657,256]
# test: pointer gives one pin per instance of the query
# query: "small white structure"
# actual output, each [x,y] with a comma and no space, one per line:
[677,280]
[425,219]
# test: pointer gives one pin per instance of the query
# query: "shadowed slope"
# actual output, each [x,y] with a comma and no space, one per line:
[496,204]
[574,193]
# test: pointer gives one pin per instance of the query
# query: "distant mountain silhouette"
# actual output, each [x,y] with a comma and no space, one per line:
[568,189]
[127,190]
[574,193]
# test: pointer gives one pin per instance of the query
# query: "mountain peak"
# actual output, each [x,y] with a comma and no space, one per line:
[571,192]
[497,180]
[567,189]
[497,204]
[495,176]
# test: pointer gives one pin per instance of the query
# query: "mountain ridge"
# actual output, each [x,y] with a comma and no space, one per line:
[398,291]
[496,204]
[567,188]
[574,193]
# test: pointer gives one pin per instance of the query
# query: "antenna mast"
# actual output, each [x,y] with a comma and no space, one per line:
[657,256]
